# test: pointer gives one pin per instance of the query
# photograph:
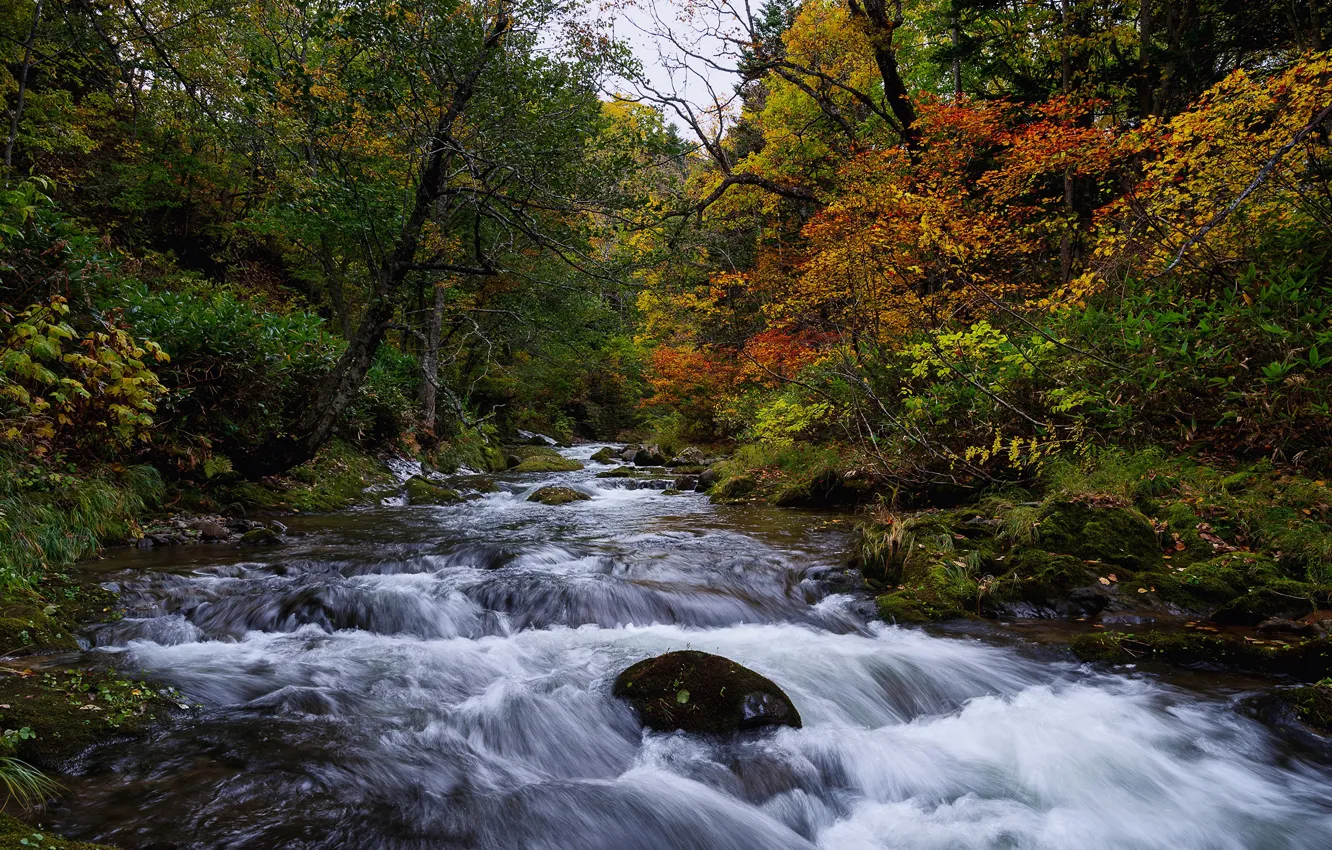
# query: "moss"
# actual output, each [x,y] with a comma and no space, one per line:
[423,492]
[733,488]
[618,472]
[493,459]
[261,537]
[71,710]
[605,454]
[1116,535]
[14,831]
[699,692]
[558,496]
[1312,704]
[1280,598]
[338,478]
[1040,577]
[1307,661]
[547,464]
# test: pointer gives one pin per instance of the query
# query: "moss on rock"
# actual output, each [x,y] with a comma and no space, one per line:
[1308,661]
[548,464]
[1312,704]
[1114,534]
[698,692]
[423,492]
[558,496]
[13,832]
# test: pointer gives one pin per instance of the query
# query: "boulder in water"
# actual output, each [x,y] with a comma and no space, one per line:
[689,457]
[707,478]
[605,454]
[423,492]
[628,454]
[558,496]
[261,537]
[649,456]
[698,692]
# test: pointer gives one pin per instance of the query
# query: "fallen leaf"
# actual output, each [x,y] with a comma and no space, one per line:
[1104,580]
[1142,590]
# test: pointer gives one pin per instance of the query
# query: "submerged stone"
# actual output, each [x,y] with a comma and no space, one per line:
[261,537]
[698,692]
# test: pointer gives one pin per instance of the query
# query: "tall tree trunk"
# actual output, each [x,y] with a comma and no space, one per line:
[880,26]
[1145,59]
[956,29]
[430,360]
[343,383]
[16,114]
[1065,88]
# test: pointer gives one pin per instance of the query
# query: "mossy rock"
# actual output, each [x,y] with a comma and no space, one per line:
[261,537]
[905,608]
[493,459]
[605,454]
[733,488]
[1282,598]
[1055,584]
[699,692]
[1312,704]
[14,831]
[558,496]
[1119,536]
[423,492]
[548,464]
[618,472]
[1309,661]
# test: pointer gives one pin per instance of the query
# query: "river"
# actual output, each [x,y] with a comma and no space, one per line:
[439,677]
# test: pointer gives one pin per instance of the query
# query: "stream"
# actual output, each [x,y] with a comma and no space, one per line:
[439,677]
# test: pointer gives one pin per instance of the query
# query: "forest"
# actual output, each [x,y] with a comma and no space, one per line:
[1032,291]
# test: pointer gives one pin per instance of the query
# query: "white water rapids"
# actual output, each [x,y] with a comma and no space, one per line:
[439,677]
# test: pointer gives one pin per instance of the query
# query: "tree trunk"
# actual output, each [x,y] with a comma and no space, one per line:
[430,360]
[17,114]
[880,28]
[1145,59]
[957,57]
[342,384]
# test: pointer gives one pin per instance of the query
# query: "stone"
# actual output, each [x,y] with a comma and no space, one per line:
[649,456]
[558,496]
[1282,626]
[699,692]
[510,461]
[261,537]
[689,457]
[707,478]
[209,530]
[605,454]
[279,527]
[423,492]
[628,454]
[687,482]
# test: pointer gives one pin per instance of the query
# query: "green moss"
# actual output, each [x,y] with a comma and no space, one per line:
[558,496]
[548,464]
[1307,661]
[618,472]
[606,454]
[1279,598]
[13,832]
[1312,704]
[1115,535]
[338,478]
[70,710]
[422,492]
[733,488]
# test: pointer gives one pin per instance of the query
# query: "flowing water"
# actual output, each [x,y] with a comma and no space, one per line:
[439,677]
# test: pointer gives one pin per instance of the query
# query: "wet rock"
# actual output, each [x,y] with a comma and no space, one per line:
[649,456]
[707,478]
[1282,626]
[617,472]
[558,496]
[687,482]
[145,543]
[162,539]
[209,530]
[699,692]
[279,527]
[689,457]
[235,509]
[510,461]
[261,537]
[423,492]
[628,454]
[605,454]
